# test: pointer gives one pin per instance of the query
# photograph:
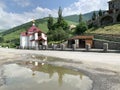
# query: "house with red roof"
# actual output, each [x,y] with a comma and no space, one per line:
[33,38]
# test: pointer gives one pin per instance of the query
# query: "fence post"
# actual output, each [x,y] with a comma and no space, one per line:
[88,47]
[73,47]
[62,47]
[105,47]
[54,47]
[46,47]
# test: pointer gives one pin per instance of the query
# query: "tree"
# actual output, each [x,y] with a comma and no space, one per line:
[94,16]
[60,18]
[57,35]
[50,23]
[60,21]
[80,18]
[100,13]
[81,28]
[1,39]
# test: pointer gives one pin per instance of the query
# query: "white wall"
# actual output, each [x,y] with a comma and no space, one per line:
[36,44]
[43,36]
[44,43]
[36,36]
[33,43]
[23,41]
[29,40]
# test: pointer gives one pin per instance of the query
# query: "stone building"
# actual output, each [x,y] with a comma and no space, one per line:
[111,16]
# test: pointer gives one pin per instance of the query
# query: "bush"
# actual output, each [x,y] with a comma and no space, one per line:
[81,28]
[57,35]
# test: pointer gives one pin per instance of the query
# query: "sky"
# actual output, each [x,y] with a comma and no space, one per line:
[17,12]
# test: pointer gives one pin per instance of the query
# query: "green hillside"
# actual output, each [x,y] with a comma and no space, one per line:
[75,18]
[109,33]
[111,29]
[2,30]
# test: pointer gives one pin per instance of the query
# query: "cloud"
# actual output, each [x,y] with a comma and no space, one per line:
[84,6]
[9,20]
[23,3]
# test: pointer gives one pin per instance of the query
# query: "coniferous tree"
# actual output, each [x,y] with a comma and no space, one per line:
[94,16]
[100,13]
[80,18]
[60,21]
[60,15]
[50,22]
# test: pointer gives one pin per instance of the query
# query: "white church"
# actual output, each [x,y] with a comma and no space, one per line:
[32,38]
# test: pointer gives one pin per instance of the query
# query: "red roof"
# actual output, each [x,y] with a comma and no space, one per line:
[31,31]
[24,34]
[34,29]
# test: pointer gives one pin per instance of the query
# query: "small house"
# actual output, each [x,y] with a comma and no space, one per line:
[80,41]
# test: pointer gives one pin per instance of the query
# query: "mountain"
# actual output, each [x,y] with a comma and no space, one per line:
[2,30]
[75,18]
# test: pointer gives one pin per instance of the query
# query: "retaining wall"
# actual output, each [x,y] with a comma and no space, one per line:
[111,45]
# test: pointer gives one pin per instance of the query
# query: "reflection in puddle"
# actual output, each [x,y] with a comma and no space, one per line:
[52,59]
[37,76]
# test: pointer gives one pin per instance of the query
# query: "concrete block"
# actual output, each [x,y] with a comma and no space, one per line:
[40,47]
[62,47]
[105,47]
[73,47]
[54,47]
[88,47]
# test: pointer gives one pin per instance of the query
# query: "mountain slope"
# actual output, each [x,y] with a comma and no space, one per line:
[75,18]
[110,29]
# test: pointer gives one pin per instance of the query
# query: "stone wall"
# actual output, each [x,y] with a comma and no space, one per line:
[111,45]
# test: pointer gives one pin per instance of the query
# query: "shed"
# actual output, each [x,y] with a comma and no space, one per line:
[80,41]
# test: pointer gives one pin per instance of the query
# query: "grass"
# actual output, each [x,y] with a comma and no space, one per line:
[111,29]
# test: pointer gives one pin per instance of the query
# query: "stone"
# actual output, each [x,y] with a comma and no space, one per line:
[46,47]
[88,47]
[73,47]
[40,47]
[62,47]
[54,47]
[105,47]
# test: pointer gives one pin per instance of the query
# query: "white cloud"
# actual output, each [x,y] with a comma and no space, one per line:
[84,6]
[9,20]
[23,3]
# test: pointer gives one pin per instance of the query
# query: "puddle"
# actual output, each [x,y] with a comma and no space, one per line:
[40,76]
[52,59]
